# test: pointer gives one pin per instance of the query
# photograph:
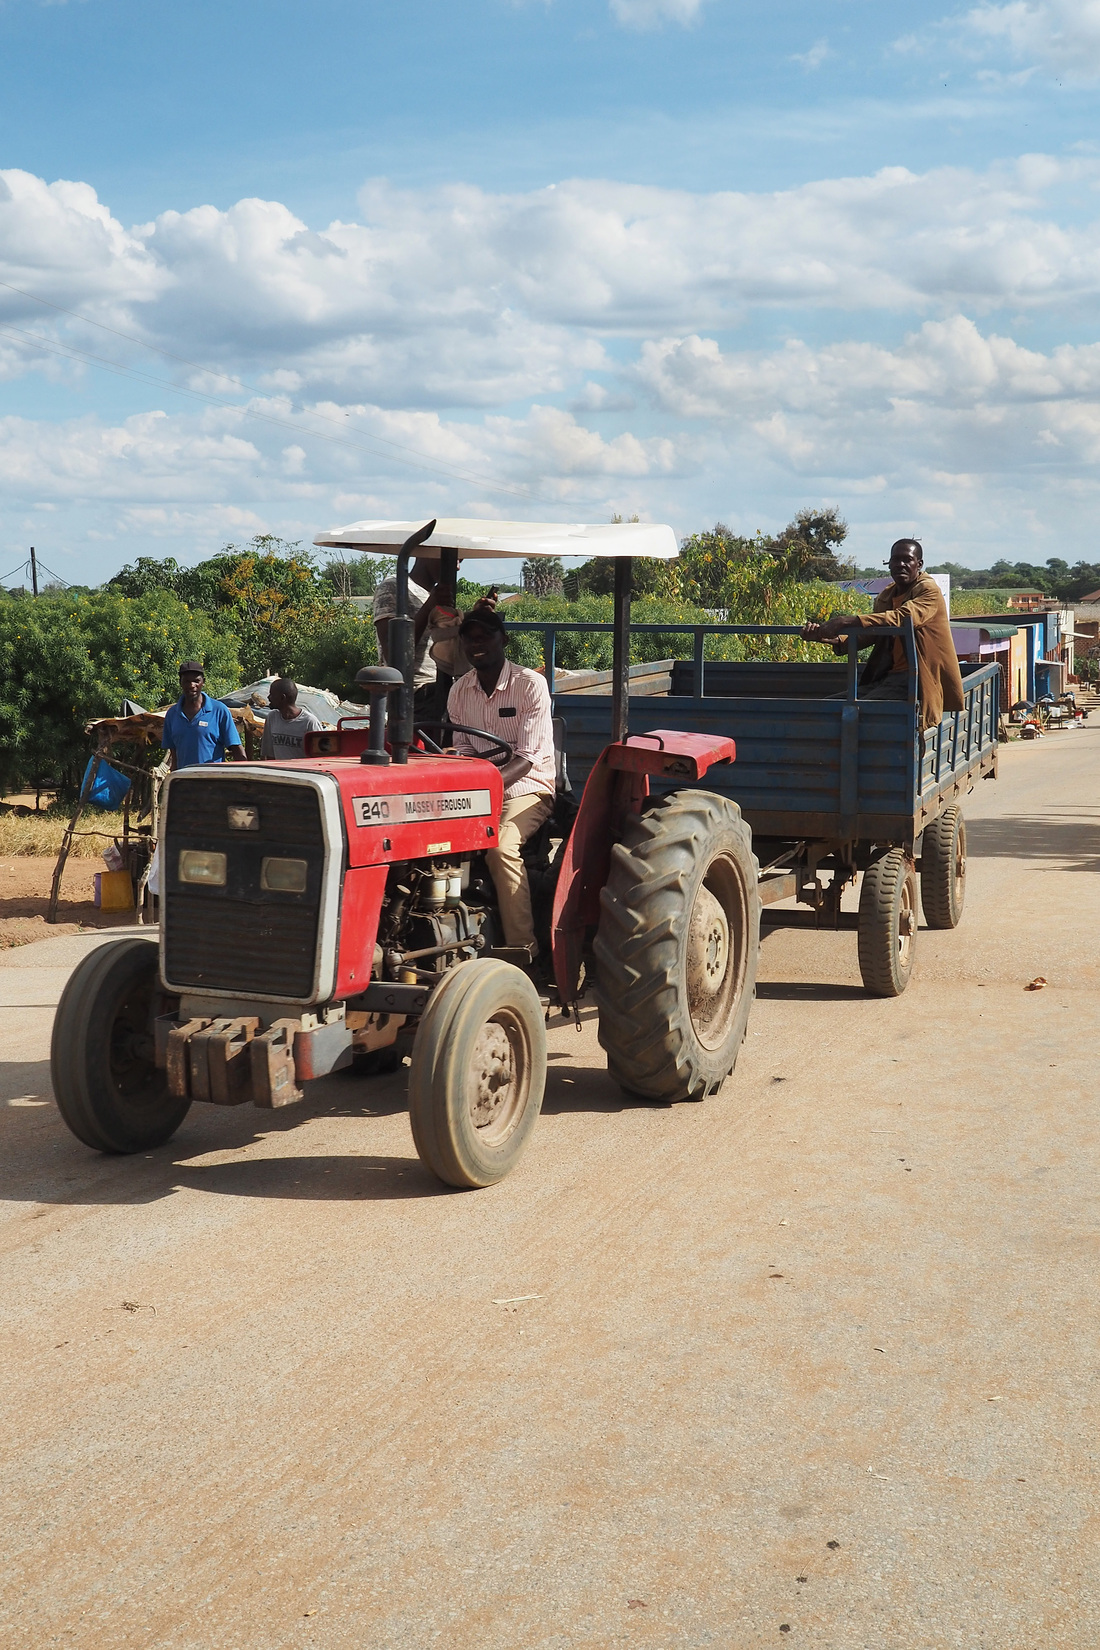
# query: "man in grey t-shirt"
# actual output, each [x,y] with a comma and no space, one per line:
[286,728]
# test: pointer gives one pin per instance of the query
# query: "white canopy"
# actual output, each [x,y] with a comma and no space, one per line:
[491,540]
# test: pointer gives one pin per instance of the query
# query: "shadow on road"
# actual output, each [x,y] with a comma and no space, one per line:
[314,1179]
[42,1162]
[1020,836]
[809,991]
[582,1088]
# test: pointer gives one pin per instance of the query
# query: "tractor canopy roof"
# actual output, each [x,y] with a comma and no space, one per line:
[492,540]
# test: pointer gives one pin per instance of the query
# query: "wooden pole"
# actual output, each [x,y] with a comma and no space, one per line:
[67,839]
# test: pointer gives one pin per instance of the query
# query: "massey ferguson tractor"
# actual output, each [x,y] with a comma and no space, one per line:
[338,910]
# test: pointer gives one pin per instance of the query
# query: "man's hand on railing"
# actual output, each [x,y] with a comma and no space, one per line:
[837,625]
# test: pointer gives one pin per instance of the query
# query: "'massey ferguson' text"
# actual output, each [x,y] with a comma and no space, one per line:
[406,810]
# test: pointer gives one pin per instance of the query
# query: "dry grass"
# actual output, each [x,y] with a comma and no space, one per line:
[27,835]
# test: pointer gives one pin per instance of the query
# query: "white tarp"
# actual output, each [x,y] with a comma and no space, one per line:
[492,540]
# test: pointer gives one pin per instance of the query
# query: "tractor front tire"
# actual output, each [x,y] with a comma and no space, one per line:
[677,947]
[888,923]
[477,1073]
[943,869]
[107,1085]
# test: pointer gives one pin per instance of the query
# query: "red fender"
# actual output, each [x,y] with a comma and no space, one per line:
[617,785]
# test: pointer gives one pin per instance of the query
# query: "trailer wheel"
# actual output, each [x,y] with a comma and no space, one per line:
[108,1088]
[676,949]
[943,869]
[477,1073]
[888,924]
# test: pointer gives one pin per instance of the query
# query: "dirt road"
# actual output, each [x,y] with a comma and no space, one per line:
[814,1362]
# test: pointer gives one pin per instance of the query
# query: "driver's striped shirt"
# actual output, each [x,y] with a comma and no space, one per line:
[517,710]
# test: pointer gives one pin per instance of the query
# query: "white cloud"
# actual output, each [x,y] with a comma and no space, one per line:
[815,57]
[458,325]
[948,401]
[1061,37]
[458,297]
[650,14]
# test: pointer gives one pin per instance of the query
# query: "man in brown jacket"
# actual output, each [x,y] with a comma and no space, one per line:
[915,595]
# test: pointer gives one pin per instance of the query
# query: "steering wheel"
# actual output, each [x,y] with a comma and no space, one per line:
[499,757]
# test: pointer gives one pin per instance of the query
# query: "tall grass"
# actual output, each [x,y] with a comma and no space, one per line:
[25,835]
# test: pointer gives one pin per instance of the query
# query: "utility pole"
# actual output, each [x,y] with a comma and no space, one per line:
[34,572]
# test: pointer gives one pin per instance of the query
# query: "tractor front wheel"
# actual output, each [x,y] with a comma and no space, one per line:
[106,1082]
[477,1073]
[677,945]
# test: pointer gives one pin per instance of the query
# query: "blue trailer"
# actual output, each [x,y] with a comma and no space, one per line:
[830,785]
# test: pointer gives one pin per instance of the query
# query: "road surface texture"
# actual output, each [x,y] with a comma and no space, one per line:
[812,1363]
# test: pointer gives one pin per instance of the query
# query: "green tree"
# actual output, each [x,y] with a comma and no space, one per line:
[807,546]
[65,660]
[328,654]
[543,576]
[270,594]
[707,562]
[357,575]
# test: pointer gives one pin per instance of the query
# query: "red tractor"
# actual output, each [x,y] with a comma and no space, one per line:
[337,911]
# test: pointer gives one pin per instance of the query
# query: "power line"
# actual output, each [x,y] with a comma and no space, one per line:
[55,576]
[418,459]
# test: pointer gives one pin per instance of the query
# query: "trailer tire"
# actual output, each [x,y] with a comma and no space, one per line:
[107,1085]
[477,1073]
[677,946]
[888,923]
[943,869]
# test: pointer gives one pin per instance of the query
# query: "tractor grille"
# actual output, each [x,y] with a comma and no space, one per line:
[241,937]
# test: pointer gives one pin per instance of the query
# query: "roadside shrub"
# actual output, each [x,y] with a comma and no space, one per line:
[65,660]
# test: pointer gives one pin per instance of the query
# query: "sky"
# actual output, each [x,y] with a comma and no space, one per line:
[275,267]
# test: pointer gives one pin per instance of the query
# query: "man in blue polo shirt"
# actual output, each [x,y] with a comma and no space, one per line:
[197,729]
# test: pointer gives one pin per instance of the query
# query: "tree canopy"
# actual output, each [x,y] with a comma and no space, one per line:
[66,659]
[279,605]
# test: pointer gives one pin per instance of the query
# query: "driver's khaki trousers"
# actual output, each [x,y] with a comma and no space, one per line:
[520,818]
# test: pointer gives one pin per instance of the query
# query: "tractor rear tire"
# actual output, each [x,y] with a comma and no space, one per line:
[677,947]
[108,1087]
[477,1073]
[888,924]
[943,869]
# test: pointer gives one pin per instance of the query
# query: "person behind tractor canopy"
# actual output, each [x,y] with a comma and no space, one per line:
[913,594]
[283,738]
[199,730]
[513,704]
[426,592]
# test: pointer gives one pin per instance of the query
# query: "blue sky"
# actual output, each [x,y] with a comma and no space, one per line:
[690,258]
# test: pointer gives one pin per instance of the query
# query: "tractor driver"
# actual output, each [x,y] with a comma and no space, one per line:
[513,703]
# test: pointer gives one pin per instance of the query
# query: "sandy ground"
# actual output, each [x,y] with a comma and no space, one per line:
[814,1362]
[25,893]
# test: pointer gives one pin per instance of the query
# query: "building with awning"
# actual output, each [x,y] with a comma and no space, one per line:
[985,641]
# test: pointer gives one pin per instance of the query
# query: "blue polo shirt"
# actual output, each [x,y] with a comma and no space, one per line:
[201,738]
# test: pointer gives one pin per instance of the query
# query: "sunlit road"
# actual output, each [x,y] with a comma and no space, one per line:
[815,1362]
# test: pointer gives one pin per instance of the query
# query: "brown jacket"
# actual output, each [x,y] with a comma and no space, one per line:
[939,679]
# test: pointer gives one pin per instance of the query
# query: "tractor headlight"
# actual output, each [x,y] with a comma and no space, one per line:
[284,876]
[199,866]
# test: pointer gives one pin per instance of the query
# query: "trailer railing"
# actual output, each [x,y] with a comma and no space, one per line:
[699,633]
